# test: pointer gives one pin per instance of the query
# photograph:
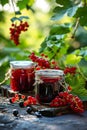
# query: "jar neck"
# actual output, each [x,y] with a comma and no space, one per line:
[50,79]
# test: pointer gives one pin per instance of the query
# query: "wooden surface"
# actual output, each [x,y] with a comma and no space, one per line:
[44,109]
[26,121]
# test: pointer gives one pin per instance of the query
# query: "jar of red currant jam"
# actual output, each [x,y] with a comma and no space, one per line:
[22,76]
[48,84]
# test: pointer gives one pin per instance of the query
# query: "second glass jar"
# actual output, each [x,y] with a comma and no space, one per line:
[48,84]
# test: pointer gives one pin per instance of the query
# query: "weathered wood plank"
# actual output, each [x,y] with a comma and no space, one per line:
[45,109]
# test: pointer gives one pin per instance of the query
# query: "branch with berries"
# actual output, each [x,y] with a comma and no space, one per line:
[17,28]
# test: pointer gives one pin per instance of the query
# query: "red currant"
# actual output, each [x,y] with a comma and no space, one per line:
[15,31]
[64,98]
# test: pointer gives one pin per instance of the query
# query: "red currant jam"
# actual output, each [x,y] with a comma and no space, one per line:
[48,84]
[22,76]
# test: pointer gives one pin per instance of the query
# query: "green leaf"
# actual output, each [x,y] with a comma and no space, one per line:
[4,60]
[68,3]
[22,4]
[11,50]
[59,36]
[19,18]
[55,48]
[3,2]
[30,8]
[60,12]
[43,46]
[85,55]
[17,12]
[63,50]
[58,9]
[59,29]
[71,11]
[59,15]
[49,44]
[77,52]
[73,59]
[77,2]
[81,12]
[31,2]
[65,3]
[83,21]
[2,16]
[23,17]
[14,19]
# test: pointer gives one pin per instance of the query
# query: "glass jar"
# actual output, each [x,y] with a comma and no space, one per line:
[48,84]
[22,76]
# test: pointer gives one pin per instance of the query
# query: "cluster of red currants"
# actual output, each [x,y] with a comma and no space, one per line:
[23,100]
[15,31]
[16,98]
[64,98]
[71,70]
[43,62]
[30,100]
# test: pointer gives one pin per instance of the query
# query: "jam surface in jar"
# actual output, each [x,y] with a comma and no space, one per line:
[48,84]
[22,76]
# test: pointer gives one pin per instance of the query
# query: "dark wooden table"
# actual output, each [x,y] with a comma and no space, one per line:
[26,121]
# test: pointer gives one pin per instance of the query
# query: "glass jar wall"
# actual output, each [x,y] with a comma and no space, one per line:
[48,84]
[22,76]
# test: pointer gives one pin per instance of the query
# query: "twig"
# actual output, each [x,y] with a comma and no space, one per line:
[75,28]
[7,76]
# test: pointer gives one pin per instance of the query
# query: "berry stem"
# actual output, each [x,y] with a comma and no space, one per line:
[75,28]
[7,76]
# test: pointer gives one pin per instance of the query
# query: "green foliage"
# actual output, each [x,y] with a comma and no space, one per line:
[81,13]
[77,83]
[3,2]
[17,13]
[54,46]
[19,18]
[82,53]
[65,3]
[75,10]
[73,59]
[58,47]
[2,13]
[59,29]
[67,8]
[23,3]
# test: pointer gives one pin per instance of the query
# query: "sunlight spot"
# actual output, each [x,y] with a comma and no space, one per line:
[43,5]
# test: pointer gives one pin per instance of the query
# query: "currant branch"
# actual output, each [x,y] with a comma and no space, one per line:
[7,76]
[76,27]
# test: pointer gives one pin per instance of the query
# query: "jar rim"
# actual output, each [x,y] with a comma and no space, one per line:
[21,64]
[49,72]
